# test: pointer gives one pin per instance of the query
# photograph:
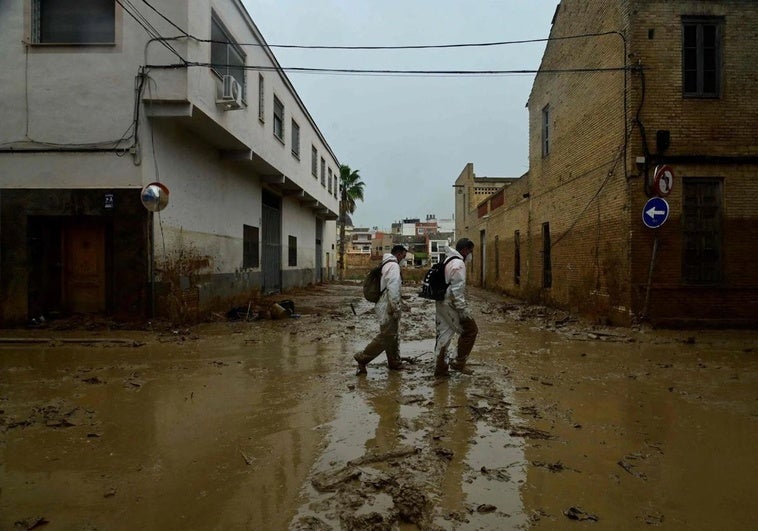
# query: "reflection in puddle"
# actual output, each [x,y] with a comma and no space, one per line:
[465,473]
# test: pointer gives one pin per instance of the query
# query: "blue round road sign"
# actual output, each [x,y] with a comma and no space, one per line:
[655,212]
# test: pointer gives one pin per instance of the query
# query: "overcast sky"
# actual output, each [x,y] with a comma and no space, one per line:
[410,136]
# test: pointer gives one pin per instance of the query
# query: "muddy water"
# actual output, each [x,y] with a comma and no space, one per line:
[264,425]
[210,432]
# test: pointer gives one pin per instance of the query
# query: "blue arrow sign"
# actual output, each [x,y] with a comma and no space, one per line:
[655,212]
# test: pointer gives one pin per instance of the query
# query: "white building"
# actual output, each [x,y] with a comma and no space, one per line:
[98,101]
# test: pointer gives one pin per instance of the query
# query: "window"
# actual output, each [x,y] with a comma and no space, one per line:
[74,21]
[227,58]
[278,119]
[295,139]
[547,266]
[329,186]
[261,99]
[314,161]
[323,172]
[250,256]
[517,257]
[435,247]
[701,57]
[546,131]
[701,210]
[292,251]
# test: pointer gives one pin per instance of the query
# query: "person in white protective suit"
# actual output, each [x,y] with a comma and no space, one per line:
[388,314]
[453,315]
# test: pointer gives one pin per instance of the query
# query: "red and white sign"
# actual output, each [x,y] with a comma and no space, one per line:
[663,180]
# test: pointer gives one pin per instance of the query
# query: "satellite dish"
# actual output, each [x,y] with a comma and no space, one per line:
[154,197]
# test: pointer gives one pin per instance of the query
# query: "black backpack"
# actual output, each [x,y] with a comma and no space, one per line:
[373,281]
[434,286]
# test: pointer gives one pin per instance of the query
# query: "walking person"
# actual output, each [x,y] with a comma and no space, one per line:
[453,315]
[388,314]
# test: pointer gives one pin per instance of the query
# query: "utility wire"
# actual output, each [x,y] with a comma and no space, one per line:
[148,27]
[393,47]
[390,71]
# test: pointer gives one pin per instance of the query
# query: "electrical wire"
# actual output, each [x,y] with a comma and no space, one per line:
[148,27]
[387,47]
[592,199]
[361,71]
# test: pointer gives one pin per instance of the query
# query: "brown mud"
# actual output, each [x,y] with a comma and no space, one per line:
[263,425]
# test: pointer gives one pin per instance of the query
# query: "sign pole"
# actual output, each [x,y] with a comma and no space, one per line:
[650,277]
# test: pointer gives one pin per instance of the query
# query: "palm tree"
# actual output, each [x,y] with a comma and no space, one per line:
[352,190]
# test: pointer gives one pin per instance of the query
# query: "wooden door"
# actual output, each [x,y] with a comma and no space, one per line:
[84,268]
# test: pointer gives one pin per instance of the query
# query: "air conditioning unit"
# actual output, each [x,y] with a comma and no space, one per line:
[231,94]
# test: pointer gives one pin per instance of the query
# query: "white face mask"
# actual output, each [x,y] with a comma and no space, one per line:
[403,262]
[469,258]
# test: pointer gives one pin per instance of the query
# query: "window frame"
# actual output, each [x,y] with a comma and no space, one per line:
[314,161]
[251,257]
[547,259]
[295,136]
[545,140]
[278,119]
[230,45]
[323,172]
[261,99]
[292,251]
[699,232]
[700,51]
[36,24]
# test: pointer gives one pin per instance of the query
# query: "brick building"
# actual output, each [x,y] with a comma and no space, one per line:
[626,87]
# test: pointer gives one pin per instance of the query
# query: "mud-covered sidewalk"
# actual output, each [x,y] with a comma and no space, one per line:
[264,425]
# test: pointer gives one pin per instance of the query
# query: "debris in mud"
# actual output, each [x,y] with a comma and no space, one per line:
[530,433]
[576,513]
[132,382]
[498,474]
[31,523]
[486,508]
[629,467]
[248,460]
[655,518]
[385,456]
[311,523]
[366,522]
[444,453]
[93,381]
[411,503]
[330,481]
[553,467]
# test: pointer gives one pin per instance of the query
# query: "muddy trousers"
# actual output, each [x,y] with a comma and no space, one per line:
[445,333]
[385,341]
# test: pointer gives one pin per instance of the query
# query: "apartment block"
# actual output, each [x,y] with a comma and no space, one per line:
[101,100]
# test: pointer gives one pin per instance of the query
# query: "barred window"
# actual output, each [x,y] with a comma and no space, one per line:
[701,210]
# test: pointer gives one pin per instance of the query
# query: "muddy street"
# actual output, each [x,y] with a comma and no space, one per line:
[264,425]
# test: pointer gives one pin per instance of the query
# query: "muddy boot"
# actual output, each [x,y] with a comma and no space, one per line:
[441,368]
[460,366]
[361,366]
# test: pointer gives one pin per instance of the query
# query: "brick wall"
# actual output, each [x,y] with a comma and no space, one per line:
[589,188]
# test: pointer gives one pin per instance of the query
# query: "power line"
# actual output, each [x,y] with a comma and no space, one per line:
[361,71]
[379,47]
